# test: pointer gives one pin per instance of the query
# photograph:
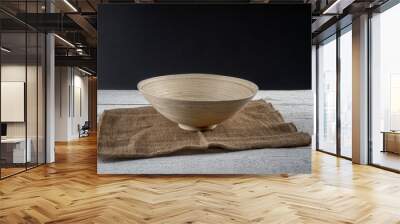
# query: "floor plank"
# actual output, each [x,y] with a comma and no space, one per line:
[70,191]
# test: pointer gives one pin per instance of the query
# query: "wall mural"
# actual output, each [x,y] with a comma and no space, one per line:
[204,122]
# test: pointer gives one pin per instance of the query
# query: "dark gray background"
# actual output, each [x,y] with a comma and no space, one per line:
[267,44]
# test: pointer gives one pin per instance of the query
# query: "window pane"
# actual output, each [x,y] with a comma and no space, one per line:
[346,94]
[41,98]
[14,153]
[31,100]
[327,96]
[385,87]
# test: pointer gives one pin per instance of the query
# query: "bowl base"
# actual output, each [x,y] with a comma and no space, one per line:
[190,128]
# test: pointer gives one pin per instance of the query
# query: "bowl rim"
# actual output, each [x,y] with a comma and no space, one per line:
[250,85]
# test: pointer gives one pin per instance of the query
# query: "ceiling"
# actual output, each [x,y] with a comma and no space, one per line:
[76,20]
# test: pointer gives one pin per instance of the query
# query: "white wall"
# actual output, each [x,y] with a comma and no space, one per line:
[62,81]
[16,72]
[70,109]
[80,105]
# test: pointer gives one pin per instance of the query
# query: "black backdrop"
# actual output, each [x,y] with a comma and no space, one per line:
[267,44]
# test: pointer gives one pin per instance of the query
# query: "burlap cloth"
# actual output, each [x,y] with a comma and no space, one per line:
[142,133]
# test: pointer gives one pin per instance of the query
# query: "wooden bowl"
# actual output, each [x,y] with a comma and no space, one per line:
[197,101]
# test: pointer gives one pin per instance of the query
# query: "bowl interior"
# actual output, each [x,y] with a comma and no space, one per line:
[198,87]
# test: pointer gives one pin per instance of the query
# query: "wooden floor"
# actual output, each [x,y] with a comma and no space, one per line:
[5,172]
[70,191]
[386,159]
